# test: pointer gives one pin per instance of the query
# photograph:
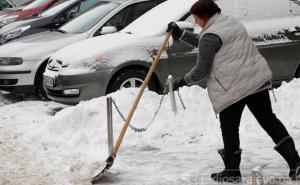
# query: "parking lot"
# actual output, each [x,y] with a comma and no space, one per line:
[60,59]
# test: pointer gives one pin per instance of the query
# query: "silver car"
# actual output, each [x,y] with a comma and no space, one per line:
[22,62]
[98,66]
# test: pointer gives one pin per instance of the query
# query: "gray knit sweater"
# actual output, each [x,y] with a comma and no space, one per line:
[208,46]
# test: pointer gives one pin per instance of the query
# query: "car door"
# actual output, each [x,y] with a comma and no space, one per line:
[278,40]
[182,57]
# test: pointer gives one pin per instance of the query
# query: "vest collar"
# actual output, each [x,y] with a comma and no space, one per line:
[209,22]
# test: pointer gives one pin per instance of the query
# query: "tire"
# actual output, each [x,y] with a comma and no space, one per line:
[298,72]
[40,92]
[130,78]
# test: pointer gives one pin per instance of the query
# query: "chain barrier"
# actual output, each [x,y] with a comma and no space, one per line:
[296,2]
[181,100]
[138,130]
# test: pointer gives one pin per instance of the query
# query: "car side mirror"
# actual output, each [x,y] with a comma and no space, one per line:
[71,15]
[186,26]
[108,29]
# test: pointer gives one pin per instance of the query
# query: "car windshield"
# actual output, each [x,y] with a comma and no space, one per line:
[25,3]
[89,19]
[35,4]
[57,8]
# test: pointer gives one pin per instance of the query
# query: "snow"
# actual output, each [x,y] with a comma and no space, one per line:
[108,51]
[42,144]
[273,28]
[171,10]
[255,9]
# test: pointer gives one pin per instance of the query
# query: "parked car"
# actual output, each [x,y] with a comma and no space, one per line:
[13,6]
[33,9]
[101,65]
[50,19]
[23,61]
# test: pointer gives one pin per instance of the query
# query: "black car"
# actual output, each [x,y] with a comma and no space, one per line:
[50,19]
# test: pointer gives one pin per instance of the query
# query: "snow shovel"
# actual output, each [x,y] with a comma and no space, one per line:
[110,160]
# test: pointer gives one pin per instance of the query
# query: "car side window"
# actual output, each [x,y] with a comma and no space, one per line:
[4,4]
[129,14]
[191,20]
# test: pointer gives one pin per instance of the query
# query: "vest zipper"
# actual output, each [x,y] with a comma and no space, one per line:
[273,92]
[275,99]
[221,84]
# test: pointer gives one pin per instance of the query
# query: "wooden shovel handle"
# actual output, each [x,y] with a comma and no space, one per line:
[141,91]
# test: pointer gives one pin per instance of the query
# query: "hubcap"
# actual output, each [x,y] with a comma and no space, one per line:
[131,82]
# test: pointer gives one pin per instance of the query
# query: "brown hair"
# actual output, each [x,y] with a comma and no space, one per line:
[205,9]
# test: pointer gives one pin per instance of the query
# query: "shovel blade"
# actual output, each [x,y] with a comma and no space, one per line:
[109,162]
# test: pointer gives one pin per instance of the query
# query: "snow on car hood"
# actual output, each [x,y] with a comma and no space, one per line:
[38,45]
[108,51]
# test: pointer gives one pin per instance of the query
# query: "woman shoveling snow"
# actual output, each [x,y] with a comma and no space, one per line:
[237,76]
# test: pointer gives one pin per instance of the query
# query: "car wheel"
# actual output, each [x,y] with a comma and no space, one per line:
[131,78]
[298,72]
[39,83]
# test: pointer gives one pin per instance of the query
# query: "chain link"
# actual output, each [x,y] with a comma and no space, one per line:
[296,2]
[155,113]
[180,98]
[154,116]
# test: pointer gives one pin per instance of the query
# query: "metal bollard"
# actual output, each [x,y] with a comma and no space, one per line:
[172,96]
[110,138]
[257,176]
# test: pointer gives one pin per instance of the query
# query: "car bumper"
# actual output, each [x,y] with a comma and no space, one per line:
[18,78]
[90,85]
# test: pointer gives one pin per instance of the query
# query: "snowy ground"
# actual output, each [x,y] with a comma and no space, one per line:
[52,144]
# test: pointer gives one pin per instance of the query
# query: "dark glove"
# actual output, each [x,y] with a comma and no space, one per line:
[178,83]
[177,32]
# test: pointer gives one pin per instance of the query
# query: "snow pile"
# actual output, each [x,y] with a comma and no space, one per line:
[70,146]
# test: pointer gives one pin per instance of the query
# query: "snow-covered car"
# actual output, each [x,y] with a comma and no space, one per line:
[32,9]
[98,66]
[50,19]
[23,61]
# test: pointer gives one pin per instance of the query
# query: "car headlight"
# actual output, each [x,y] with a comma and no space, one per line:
[7,20]
[13,34]
[5,61]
